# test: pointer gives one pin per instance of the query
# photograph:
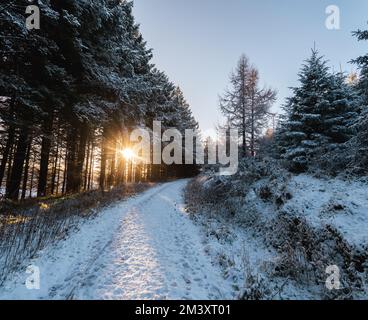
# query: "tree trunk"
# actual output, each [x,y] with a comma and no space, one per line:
[17,169]
[244,105]
[26,169]
[252,141]
[120,172]
[83,137]
[45,155]
[71,162]
[56,161]
[32,176]
[10,165]
[138,173]
[91,166]
[86,170]
[91,176]
[58,175]
[54,171]
[112,157]
[6,153]
[104,151]
[9,143]
[64,173]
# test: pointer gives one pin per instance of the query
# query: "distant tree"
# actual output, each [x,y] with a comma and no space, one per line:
[246,105]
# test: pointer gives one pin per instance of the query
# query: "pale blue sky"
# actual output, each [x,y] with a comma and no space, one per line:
[198,42]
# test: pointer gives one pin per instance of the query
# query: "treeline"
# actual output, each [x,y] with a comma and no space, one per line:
[70,93]
[324,126]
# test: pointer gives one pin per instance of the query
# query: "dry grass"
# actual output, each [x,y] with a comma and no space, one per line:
[29,226]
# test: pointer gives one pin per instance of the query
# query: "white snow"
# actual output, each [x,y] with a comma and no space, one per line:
[143,248]
[316,200]
[241,253]
[241,243]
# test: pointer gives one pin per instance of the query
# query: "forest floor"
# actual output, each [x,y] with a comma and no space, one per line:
[275,235]
[212,238]
[146,247]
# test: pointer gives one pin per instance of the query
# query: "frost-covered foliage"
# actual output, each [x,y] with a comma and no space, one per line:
[360,163]
[81,80]
[292,227]
[318,116]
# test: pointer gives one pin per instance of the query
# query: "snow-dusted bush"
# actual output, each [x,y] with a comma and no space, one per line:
[309,223]
[256,287]
[306,251]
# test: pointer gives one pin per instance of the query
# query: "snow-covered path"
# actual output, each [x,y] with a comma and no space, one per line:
[143,248]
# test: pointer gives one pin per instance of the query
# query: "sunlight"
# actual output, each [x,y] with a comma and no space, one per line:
[210,133]
[127,153]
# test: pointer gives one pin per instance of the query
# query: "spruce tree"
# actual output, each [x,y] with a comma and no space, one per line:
[317,115]
[361,143]
[342,110]
[301,131]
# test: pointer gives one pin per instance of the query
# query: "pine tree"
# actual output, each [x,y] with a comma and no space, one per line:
[300,134]
[317,115]
[342,110]
[361,143]
[71,90]
[30,77]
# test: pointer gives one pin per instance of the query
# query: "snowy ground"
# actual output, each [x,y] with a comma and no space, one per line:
[285,236]
[149,248]
[143,248]
[343,204]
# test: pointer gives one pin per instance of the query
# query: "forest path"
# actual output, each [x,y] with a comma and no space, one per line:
[143,248]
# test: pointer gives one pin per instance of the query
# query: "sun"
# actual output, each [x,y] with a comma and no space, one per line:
[127,153]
